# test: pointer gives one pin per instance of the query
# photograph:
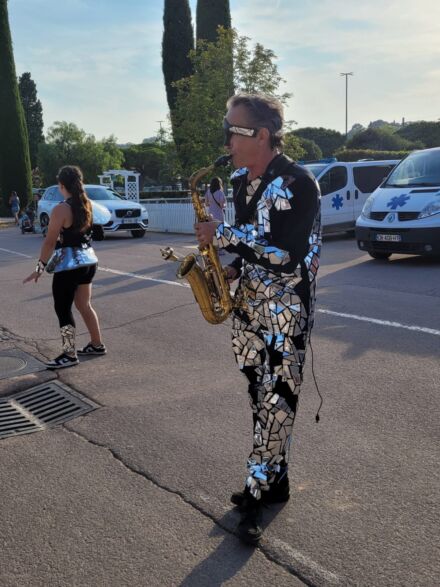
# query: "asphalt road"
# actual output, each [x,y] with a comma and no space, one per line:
[136,492]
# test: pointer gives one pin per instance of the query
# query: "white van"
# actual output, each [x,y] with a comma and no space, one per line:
[403,214]
[345,187]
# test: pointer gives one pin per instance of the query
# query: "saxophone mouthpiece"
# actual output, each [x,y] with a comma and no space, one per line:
[223,161]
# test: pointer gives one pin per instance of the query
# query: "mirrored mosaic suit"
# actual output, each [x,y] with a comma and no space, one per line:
[277,236]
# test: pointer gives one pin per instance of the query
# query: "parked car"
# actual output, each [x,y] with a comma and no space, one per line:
[120,214]
[403,214]
[345,187]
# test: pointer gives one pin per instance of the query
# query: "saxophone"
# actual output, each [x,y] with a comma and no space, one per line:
[205,275]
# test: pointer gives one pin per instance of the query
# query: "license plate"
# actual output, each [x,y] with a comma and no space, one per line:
[395,238]
[128,221]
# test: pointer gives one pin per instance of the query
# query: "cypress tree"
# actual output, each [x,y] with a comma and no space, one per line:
[33,113]
[15,167]
[177,42]
[210,15]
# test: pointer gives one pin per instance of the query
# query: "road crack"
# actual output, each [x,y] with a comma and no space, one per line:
[136,471]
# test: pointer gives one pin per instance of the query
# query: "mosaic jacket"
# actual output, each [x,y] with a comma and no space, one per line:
[277,235]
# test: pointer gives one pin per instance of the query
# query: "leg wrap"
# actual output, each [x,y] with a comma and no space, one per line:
[68,339]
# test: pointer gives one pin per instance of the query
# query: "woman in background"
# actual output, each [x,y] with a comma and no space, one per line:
[215,201]
[14,203]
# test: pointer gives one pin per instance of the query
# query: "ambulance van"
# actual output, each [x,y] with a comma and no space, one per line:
[403,214]
[345,187]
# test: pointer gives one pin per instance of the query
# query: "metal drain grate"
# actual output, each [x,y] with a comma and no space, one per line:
[41,407]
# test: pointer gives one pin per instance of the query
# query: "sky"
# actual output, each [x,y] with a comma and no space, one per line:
[97,63]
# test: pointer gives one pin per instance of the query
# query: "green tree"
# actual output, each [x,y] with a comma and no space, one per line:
[66,144]
[293,147]
[148,159]
[424,131]
[327,140]
[202,97]
[255,69]
[381,139]
[177,42]
[355,129]
[33,113]
[211,14]
[15,166]
[311,150]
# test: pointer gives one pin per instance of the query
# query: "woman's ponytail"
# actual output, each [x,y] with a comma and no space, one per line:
[70,176]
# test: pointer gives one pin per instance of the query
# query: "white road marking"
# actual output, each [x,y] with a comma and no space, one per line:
[411,327]
[16,253]
[382,322]
[136,276]
[304,561]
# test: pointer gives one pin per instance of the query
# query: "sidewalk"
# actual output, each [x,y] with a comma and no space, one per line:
[5,222]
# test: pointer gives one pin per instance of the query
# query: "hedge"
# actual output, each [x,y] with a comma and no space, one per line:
[164,194]
[356,154]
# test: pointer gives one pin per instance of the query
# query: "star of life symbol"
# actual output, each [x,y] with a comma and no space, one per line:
[337,202]
[397,201]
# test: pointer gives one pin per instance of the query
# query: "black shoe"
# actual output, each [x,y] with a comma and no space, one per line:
[62,361]
[278,493]
[249,528]
[90,349]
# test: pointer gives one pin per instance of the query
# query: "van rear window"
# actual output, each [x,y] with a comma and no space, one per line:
[367,179]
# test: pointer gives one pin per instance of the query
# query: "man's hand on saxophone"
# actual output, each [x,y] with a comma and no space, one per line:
[231,273]
[205,231]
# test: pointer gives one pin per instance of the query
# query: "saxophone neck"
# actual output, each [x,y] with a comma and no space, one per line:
[202,215]
[197,175]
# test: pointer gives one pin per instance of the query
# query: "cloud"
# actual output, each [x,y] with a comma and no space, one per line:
[392,48]
[98,62]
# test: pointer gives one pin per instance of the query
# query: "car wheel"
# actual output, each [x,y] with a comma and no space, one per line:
[380,255]
[138,233]
[97,232]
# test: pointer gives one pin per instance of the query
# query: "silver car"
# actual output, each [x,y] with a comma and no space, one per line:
[125,214]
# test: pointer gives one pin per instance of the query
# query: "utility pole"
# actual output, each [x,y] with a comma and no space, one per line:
[346,100]
[160,133]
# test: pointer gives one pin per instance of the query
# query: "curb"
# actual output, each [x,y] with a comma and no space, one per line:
[6,223]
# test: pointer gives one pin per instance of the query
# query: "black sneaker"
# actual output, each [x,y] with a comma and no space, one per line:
[62,361]
[278,492]
[89,349]
[249,528]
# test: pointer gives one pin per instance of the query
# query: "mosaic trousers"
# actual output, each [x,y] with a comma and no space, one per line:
[269,342]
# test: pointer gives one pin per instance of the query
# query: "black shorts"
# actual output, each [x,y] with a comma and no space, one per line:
[74,277]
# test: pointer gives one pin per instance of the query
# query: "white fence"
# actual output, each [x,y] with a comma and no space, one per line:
[176,215]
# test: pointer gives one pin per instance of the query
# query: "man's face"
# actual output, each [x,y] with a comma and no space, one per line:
[242,148]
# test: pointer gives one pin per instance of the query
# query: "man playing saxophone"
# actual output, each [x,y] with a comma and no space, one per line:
[277,237]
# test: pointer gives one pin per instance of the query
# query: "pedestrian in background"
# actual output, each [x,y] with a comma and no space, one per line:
[14,204]
[215,201]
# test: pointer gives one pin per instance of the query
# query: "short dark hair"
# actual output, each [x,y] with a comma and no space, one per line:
[264,112]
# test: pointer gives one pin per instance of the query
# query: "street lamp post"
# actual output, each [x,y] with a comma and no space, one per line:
[160,133]
[346,100]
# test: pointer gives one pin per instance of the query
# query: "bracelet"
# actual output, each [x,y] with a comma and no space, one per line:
[40,267]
